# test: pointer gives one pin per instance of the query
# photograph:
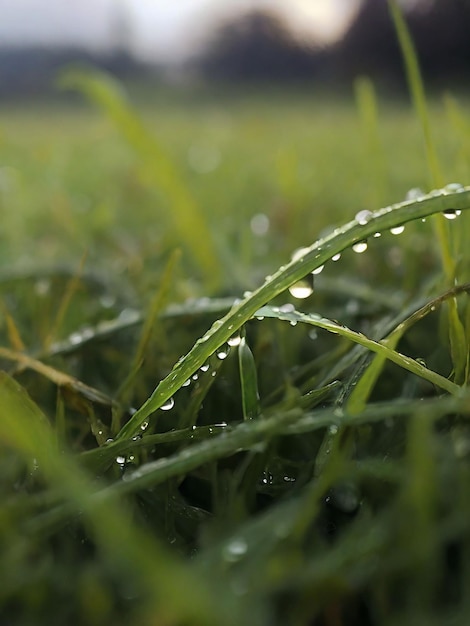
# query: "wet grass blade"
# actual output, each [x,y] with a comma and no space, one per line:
[318,254]
[380,348]
[361,392]
[416,86]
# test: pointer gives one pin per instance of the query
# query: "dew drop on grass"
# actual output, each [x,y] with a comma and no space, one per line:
[205,367]
[302,288]
[42,287]
[293,322]
[397,230]
[194,376]
[319,270]
[169,404]
[336,257]
[363,217]
[223,354]
[234,341]
[287,308]
[235,550]
[299,253]
[120,460]
[454,187]
[144,426]
[414,194]
[451,214]
[107,301]
[360,247]
[186,383]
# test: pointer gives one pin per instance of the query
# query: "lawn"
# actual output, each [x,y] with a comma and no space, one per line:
[304,461]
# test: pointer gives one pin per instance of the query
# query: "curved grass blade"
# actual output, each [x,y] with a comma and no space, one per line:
[363,388]
[318,254]
[375,346]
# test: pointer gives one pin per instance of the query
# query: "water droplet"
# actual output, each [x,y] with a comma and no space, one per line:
[397,230]
[454,187]
[107,301]
[247,294]
[303,288]
[336,257]
[75,338]
[259,224]
[414,194]
[293,322]
[223,354]
[377,235]
[299,253]
[186,383]
[42,287]
[194,376]
[287,308]
[319,270]
[214,374]
[364,216]
[267,479]
[120,460]
[360,247]
[451,214]
[144,426]
[234,341]
[205,367]
[169,404]
[235,549]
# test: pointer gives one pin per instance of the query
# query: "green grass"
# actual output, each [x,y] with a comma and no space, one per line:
[183,441]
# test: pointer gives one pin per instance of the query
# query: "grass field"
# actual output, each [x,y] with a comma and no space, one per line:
[307,461]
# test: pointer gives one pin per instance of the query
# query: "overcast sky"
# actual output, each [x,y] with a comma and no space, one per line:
[156,28]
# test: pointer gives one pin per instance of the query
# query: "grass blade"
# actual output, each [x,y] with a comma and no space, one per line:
[188,219]
[318,254]
[159,574]
[375,346]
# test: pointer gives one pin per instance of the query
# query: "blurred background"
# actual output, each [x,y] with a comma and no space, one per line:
[237,131]
[318,41]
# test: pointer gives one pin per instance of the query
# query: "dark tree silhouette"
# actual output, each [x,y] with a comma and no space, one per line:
[257,46]
[440,33]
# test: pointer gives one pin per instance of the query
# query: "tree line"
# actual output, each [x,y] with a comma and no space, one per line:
[258,46]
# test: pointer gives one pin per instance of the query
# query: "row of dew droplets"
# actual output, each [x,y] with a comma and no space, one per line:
[304,288]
